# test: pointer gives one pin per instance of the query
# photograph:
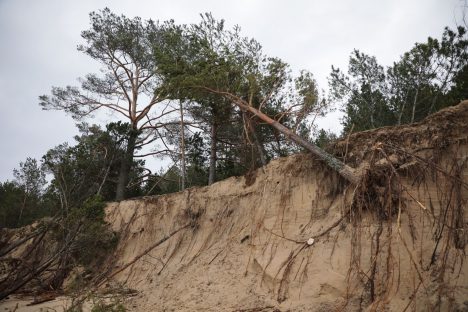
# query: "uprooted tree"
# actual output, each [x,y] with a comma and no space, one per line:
[208,61]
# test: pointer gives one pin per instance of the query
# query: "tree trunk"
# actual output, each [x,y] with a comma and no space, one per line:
[372,118]
[182,146]
[414,106]
[126,165]
[258,144]
[400,114]
[22,208]
[344,170]
[212,172]
[432,108]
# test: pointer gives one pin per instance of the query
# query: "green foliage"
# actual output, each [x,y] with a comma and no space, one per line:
[128,84]
[430,76]
[209,68]
[120,45]
[101,306]
[78,172]
[363,93]
[30,177]
[308,95]
[92,166]
[213,68]
[26,198]
[92,209]
[11,198]
[197,157]
[91,238]
[95,240]
[325,138]
[168,182]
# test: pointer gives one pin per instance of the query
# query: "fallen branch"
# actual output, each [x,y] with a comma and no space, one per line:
[21,242]
[44,298]
[256,309]
[28,276]
[146,251]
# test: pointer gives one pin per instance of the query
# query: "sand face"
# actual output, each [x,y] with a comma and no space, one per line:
[247,249]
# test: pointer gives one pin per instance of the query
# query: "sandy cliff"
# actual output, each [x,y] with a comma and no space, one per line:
[294,236]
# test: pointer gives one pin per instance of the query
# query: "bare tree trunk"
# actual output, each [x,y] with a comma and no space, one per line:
[400,114]
[258,144]
[431,109]
[106,173]
[414,106]
[403,107]
[213,135]
[4,252]
[182,146]
[23,204]
[126,165]
[104,179]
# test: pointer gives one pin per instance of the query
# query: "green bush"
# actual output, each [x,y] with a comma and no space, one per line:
[95,240]
[100,306]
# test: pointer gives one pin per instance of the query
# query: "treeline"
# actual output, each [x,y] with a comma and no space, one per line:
[431,76]
[210,102]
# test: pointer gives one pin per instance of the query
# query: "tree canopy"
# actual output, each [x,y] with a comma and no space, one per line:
[128,84]
[425,79]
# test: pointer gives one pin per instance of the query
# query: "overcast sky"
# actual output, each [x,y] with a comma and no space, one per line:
[38,40]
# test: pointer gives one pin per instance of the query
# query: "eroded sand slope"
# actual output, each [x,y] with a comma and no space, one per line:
[396,243]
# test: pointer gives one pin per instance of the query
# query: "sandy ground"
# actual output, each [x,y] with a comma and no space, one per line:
[20,304]
[59,304]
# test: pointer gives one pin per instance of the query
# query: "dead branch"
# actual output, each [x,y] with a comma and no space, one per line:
[146,251]
[21,242]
